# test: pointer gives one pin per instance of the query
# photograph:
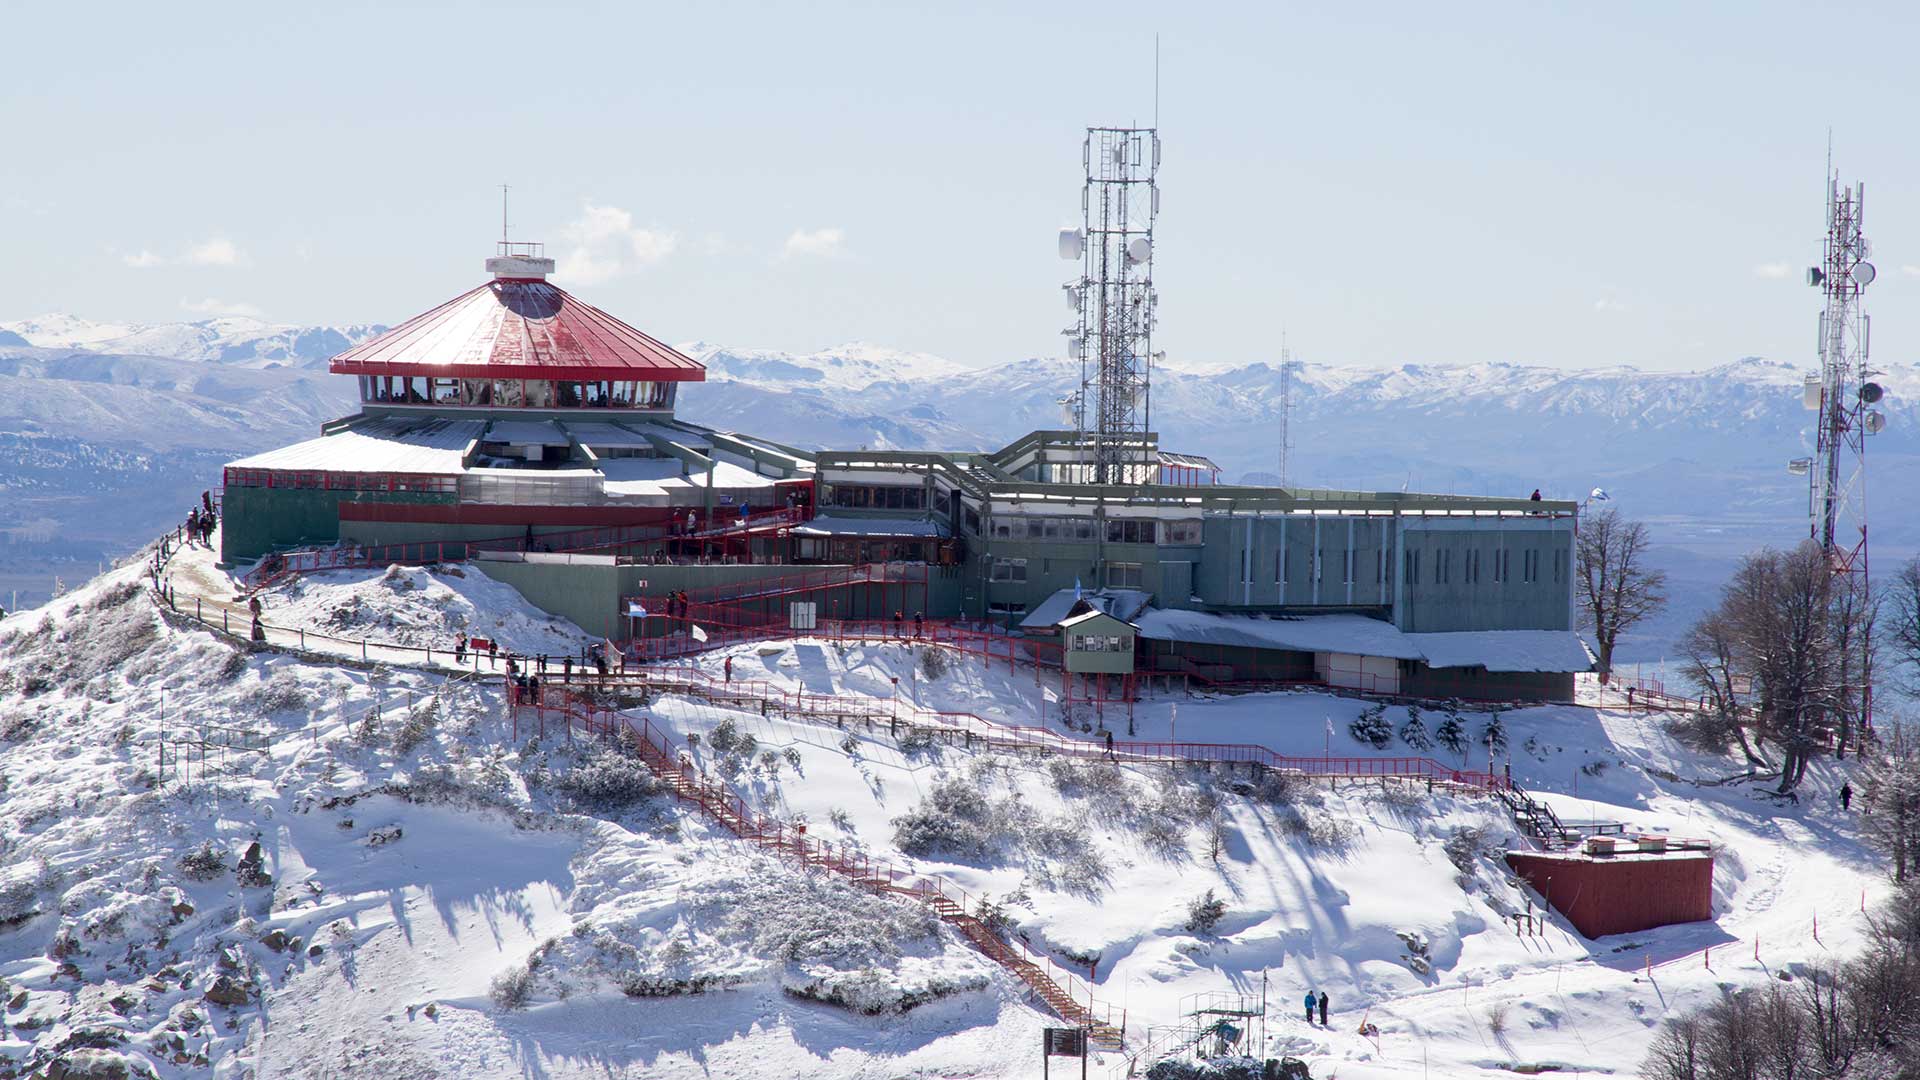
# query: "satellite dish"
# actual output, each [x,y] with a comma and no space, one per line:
[1073,296]
[1876,421]
[1071,243]
[1815,276]
[1871,393]
[1139,250]
[1863,274]
[1076,348]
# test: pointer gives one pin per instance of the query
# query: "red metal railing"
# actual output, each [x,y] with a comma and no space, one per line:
[1067,996]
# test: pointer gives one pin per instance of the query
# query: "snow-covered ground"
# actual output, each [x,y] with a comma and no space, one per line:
[483,909]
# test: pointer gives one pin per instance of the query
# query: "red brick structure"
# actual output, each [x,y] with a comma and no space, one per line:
[1621,893]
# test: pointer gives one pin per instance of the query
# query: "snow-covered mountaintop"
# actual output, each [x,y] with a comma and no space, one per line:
[341,871]
[230,339]
[852,366]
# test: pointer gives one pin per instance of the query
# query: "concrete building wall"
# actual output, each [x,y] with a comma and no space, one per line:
[1270,561]
[1448,596]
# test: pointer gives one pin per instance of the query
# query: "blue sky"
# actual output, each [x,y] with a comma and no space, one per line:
[1574,185]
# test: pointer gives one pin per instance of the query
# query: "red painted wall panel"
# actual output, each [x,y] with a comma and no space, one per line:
[1621,894]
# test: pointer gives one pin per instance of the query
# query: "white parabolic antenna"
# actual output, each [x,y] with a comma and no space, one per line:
[1863,274]
[1071,243]
[1139,249]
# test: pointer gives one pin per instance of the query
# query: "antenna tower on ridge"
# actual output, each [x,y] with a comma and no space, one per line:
[1288,365]
[1115,300]
[1844,395]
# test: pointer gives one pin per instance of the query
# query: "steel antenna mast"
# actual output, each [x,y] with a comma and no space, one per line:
[1844,394]
[1115,300]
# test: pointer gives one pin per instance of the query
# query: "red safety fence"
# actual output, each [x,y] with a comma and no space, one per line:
[1068,997]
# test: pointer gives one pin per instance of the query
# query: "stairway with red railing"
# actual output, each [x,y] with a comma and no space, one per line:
[1066,996]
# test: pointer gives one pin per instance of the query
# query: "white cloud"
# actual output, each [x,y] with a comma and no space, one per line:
[819,243]
[216,251]
[1773,271]
[1608,304]
[212,306]
[603,242]
[1910,270]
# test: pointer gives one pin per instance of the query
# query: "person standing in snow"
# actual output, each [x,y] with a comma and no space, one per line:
[729,668]
[1846,796]
[1109,744]
[919,624]
[1323,1008]
[459,650]
[533,689]
[1311,1002]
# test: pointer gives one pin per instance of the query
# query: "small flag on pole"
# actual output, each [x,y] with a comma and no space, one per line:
[636,610]
[1076,588]
[699,634]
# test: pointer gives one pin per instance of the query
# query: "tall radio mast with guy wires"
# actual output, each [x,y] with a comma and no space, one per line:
[1843,394]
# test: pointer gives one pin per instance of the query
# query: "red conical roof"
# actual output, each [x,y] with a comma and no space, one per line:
[518,328]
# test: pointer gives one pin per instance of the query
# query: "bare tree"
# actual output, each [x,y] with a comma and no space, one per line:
[1890,796]
[1903,618]
[1784,624]
[1617,587]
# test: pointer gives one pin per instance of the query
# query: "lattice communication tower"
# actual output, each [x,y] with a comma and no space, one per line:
[1844,395]
[1115,300]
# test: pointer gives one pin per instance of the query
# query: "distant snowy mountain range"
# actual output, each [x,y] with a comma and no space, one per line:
[117,425]
[227,340]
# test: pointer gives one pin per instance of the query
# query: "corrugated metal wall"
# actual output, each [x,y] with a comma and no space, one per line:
[1622,894]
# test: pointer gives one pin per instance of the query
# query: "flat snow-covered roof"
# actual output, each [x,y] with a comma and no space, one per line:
[390,444]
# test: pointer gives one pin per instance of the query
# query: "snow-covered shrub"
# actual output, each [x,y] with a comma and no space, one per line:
[279,692]
[1322,832]
[916,740]
[1371,727]
[850,746]
[1414,731]
[1278,788]
[1704,731]
[607,782]
[511,988]
[792,756]
[1464,846]
[955,817]
[723,736]
[1204,913]
[934,663]
[770,762]
[204,863]
[418,726]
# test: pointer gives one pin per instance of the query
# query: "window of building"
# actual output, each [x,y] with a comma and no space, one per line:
[1124,575]
[1181,532]
[1000,607]
[1099,643]
[881,497]
[1559,566]
[1380,566]
[1411,572]
[1005,569]
[1130,531]
[970,519]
